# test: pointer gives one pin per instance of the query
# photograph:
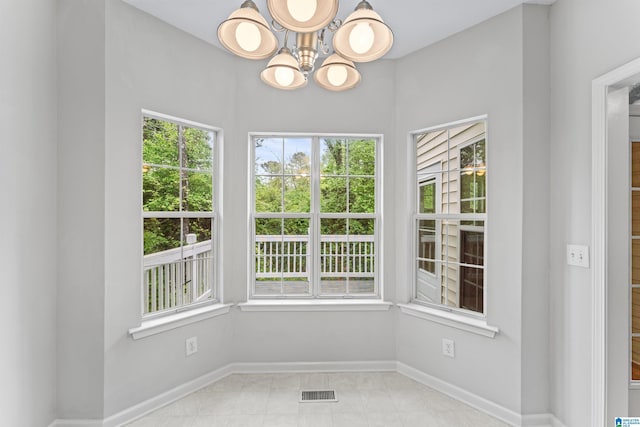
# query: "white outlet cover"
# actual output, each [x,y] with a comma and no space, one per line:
[578,255]
[448,348]
[191,346]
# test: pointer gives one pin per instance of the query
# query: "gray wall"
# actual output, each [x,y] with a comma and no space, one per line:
[482,71]
[28,214]
[589,38]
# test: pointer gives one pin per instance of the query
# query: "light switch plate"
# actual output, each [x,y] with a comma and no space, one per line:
[578,255]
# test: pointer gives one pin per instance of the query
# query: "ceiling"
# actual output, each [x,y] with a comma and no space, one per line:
[415,23]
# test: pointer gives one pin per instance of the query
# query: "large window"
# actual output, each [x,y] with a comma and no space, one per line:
[178,210]
[314,216]
[450,215]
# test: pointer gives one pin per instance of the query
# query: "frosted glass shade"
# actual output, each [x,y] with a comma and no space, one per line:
[337,74]
[303,16]
[247,34]
[352,40]
[282,72]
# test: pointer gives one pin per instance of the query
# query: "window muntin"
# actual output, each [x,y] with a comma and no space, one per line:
[450,215]
[314,216]
[179,219]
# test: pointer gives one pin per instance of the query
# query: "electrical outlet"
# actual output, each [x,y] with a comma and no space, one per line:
[448,348]
[191,345]
[578,255]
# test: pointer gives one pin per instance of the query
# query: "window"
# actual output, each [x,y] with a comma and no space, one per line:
[450,215]
[314,216]
[179,219]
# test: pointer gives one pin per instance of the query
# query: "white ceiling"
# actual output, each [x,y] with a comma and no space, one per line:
[415,23]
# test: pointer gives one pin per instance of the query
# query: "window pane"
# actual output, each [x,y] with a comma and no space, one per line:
[427,246]
[198,152]
[198,259]
[160,142]
[427,197]
[635,310]
[361,266]
[160,189]
[297,194]
[268,252]
[268,194]
[268,156]
[298,156]
[161,234]
[333,157]
[333,195]
[362,157]
[197,191]
[295,262]
[635,358]
[333,256]
[362,195]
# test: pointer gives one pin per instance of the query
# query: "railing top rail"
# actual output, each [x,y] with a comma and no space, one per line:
[172,255]
[324,238]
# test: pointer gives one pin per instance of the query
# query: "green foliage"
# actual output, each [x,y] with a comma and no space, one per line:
[177,176]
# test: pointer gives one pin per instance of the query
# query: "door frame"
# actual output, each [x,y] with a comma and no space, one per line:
[618,77]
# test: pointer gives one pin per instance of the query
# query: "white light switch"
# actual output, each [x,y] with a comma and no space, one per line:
[578,255]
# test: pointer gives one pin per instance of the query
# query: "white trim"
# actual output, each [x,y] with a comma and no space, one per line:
[77,423]
[599,144]
[471,399]
[183,318]
[143,408]
[346,304]
[477,326]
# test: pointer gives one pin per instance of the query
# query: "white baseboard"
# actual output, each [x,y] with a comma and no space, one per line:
[76,423]
[480,403]
[140,410]
[364,366]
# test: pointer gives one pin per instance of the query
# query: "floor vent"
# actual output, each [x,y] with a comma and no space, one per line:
[310,396]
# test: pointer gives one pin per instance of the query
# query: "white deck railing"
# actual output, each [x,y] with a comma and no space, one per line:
[176,277]
[180,276]
[288,256]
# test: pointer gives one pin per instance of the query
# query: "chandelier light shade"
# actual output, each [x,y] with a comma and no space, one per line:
[283,72]
[363,37]
[337,74]
[247,34]
[303,16]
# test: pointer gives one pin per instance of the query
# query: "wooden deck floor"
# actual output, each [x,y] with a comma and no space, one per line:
[303,287]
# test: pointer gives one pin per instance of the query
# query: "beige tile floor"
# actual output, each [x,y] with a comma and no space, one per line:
[371,399]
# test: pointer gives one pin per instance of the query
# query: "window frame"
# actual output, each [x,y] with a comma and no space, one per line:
[315,216]
[214,215]
[459,217]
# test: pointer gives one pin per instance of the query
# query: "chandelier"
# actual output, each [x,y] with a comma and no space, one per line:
[362,37]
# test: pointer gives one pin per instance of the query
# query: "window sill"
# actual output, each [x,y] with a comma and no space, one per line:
[454,320]
[173,321]
[316,305]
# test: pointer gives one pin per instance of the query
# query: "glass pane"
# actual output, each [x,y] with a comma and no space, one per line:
[635,262]
[427,197]
[295,257]
[333,256]
[268,194]
[361,265]
[198,152]
[268,252]
[333,195]
[635,310]
[297,194]
[362,195]
[472,288]
[161,234]
[473,191]
[196,230]
[427,246]
[431,148]
[450,195]
[297,152]
[362,157]
[198,259]
[160,189]
[160,142]
[197,192]
[333,156]
[268,156]
[635,358]
[635,213]
[635,164]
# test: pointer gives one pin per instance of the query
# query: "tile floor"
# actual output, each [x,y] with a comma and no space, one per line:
[371,399]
